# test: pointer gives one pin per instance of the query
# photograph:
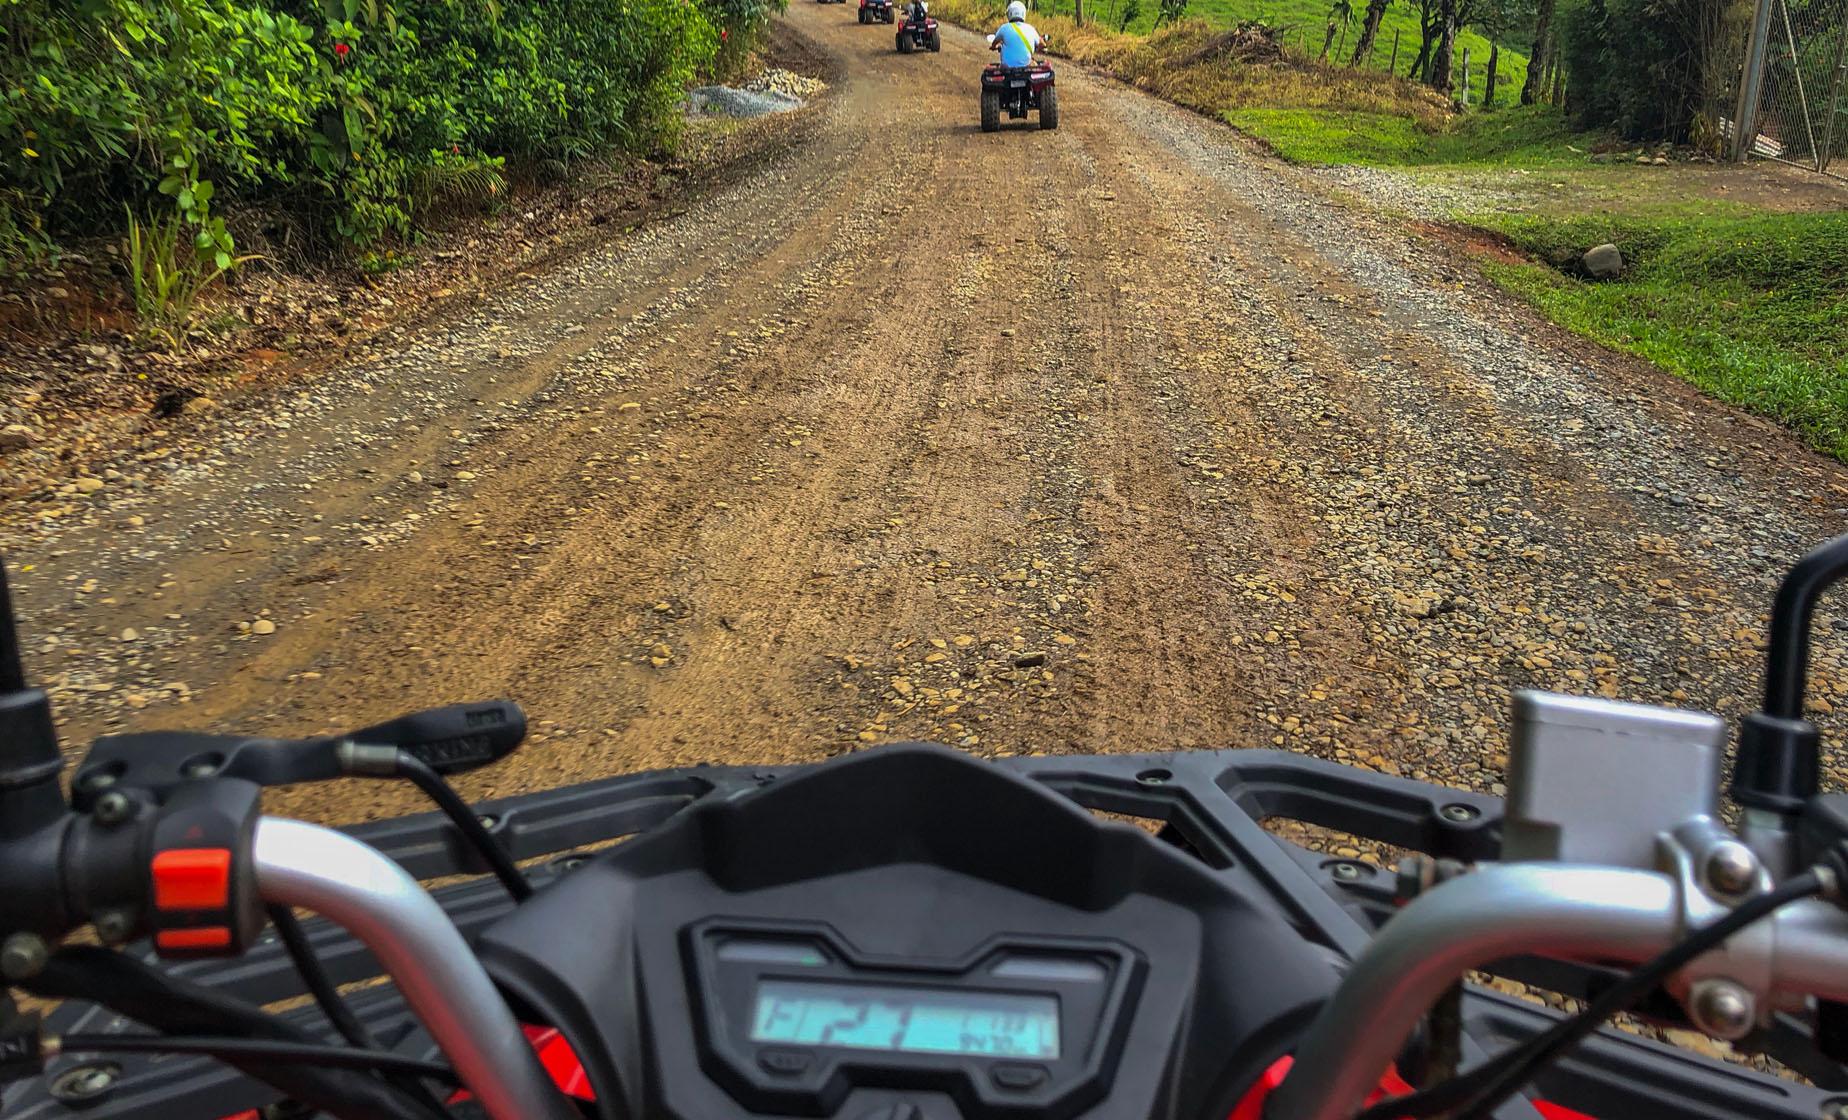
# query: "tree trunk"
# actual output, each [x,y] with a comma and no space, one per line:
[1531,90]
[1559,83]
[1328,40]
[1488,89]
[1376,11]
[1424,55]
[1078,12]
[1440,65]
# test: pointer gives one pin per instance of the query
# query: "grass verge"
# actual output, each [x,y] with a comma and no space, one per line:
[1751,308]
[1523,136]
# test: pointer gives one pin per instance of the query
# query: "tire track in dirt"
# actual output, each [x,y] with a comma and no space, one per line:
[1038,441]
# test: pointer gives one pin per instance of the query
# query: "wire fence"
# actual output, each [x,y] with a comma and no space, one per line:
[1793,89]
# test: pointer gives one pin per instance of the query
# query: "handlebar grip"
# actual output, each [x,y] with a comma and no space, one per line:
[454,738]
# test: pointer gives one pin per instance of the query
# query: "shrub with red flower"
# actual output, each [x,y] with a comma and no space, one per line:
[341,50]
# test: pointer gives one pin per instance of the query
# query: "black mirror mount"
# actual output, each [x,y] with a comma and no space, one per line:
[1779,764]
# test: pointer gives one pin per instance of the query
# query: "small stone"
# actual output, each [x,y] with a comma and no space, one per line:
[414,476]
[134,521]
[662,650]
[1030,660]
[262,627]
[465,476]
[129,635]
[89,485]
[1007,332]
[867,737]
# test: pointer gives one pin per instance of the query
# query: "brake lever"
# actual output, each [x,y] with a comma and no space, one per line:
[158,762]
[450,740]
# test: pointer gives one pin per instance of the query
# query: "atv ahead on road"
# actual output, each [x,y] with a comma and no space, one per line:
[919,33]
[877,11]
[1017,91]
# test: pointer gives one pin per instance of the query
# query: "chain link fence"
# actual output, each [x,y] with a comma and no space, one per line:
[1793,86]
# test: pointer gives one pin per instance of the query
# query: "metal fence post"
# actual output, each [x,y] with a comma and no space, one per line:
[1751,82]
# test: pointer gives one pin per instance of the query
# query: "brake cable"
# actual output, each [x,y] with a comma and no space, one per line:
[1477,1093]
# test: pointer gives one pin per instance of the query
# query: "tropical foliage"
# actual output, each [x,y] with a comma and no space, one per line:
[351,114]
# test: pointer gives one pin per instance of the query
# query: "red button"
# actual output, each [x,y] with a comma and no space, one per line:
[192,879]
[211,937]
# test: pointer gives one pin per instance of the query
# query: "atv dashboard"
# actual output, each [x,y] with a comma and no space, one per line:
[1213,803]
[908,933]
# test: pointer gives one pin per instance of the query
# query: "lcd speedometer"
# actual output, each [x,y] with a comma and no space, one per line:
[906,1019]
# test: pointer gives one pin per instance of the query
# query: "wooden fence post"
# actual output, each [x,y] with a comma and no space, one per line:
[1392,67]
[1464,95]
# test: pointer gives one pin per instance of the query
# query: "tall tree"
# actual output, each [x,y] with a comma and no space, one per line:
[1440,65]
[1531,89]
[1369,28]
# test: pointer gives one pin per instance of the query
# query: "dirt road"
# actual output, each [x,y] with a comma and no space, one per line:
[1117,437]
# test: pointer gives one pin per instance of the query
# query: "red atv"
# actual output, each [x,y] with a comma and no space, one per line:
[1018,90]
[919,32]
[877,11]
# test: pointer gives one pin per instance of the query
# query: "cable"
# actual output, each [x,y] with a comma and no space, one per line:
[339,1057]
[315,978]
[327,998]
[1478,1092]
[137,990]
[465,820]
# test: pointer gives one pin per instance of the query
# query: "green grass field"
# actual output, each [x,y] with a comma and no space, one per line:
[1750,307]
[1523,136]
[1306,21]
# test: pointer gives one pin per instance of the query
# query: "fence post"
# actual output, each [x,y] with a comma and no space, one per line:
[1751,82]
[1464,95]
[1392,67]
[1835,94]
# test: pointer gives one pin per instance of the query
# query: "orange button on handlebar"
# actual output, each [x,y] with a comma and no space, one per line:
[192,879]
[211,937]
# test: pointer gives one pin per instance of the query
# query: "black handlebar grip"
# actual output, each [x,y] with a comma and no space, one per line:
[454,738]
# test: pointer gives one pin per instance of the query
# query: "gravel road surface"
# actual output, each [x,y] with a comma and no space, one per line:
[1115,437]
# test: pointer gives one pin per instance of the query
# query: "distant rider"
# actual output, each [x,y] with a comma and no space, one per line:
[1016,40]
[916,11]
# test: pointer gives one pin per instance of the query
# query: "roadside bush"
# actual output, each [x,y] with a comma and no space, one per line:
[1648,69]
[352,113]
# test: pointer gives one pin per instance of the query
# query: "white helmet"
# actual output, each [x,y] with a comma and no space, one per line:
[1016,11]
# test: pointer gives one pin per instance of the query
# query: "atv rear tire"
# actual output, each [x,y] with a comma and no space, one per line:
[904,43]
[936,40]
[891,16]
[991,110]
[1049,108]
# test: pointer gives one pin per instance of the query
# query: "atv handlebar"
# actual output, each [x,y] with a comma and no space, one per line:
[378,902]
[1603,914]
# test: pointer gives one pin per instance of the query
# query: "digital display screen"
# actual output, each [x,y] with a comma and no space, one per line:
[910,1020]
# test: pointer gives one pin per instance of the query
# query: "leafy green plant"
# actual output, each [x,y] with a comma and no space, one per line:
[452,180]
[357,115]
[167,271]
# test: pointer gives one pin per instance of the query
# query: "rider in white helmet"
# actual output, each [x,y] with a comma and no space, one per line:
[1016,40]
